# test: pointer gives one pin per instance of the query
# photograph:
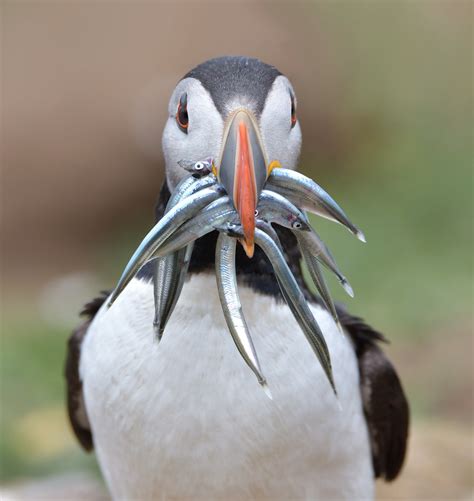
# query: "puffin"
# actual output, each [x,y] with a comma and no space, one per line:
[183,418]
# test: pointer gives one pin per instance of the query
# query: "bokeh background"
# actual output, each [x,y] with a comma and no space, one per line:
[385,103]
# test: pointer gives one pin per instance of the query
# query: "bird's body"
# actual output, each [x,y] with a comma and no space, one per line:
[185,418]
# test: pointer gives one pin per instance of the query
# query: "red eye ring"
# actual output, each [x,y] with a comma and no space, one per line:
[293,111]
[182,118]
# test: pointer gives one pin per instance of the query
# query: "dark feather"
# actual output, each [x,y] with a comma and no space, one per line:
[385,405]
[75,399]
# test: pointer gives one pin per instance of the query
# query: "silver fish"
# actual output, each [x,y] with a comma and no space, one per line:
[179,214]
[231,306]
[198,169]
[164,268]
[180,189]
[269,230]
[318,278]
[170,270]
[165,301]
[298,303]
[164,279]
[183,258]
[308,195]
[292,293]
[213,215]
[273,208]
[188,186]
[277,209]
[313,267]
[317,248]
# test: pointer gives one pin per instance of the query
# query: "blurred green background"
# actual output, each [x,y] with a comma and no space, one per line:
[385,103]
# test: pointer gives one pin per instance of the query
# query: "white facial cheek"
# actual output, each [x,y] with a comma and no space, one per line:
[172,144]
[282,142]
[294,147]
[202,140]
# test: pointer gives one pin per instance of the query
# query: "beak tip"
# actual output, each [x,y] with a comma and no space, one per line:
[249,248]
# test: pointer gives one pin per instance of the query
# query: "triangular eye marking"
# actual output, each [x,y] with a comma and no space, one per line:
[293,110]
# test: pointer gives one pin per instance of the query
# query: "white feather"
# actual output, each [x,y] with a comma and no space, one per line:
[205,130]
[282,142]
[186,418]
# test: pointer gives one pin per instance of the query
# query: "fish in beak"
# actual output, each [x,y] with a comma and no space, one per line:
[242,170]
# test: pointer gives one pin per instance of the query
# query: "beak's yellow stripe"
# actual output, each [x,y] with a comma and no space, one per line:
[275,164]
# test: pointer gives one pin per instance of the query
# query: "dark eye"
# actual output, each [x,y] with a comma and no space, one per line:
[296,225]
[293,111]
[256,213]
[182,118]
[199,166]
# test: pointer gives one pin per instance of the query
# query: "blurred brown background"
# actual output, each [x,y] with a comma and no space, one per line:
[385,103]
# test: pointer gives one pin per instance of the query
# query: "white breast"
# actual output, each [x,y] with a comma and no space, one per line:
[186,418]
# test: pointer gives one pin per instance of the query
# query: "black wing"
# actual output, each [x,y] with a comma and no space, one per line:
[75,398]
[385,405]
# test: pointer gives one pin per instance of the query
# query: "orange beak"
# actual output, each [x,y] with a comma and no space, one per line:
[243,172]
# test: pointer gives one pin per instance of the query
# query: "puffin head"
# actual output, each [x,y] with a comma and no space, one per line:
[242,113]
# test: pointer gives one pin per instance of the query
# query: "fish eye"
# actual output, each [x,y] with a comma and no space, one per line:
[182,118]
[296,225]
[293,110]
[256,213]
[199,166]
